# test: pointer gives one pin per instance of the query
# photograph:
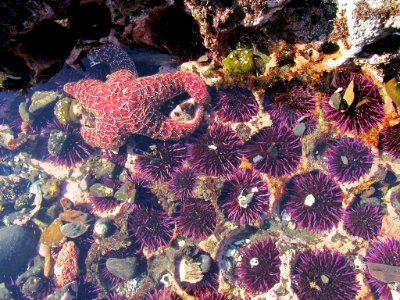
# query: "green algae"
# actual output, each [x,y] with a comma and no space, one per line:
[240,61]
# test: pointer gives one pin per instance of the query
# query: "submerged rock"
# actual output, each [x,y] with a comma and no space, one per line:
[124,268]
[17,245]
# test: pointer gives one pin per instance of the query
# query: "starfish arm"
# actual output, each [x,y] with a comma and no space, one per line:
[86,92]
[103,135]
[160,88]
[163,128]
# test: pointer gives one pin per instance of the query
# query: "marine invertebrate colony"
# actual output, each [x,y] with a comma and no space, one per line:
[197,218]
[363,220]
[258,270]
[216,152]
[389,140]
[159,161]
[150,227]
[245,197]
[324,275]
[274,150]
[348,159]
[314,201]
[353,103]
[382,252]
[235,105]
[125,105]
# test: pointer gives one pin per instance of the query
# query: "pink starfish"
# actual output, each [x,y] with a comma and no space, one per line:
[125,104]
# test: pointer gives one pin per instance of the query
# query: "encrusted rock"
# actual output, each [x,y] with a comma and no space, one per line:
[126,193]
[56,141]
[66,267]
[41,99]
[99,190]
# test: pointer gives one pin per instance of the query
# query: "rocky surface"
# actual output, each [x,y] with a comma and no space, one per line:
[17,246]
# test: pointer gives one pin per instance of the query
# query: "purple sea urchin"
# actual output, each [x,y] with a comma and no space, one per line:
[209,295]
[314,201]
[364,108]
[258,270]
[70,148]
[183,182]
[103,204]
[216,153]
[164,294]
[288,106]
[150,227]
[383,252]
[197,219]
[324,275]
[389,140]
[160,159]
[363,220]
[274,150]
[348,159]
[235,105]
[245,197]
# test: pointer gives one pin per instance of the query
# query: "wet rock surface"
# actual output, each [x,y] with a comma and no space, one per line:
[124,268]
[17,245]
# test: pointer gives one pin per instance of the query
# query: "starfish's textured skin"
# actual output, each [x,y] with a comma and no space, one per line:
[125,104]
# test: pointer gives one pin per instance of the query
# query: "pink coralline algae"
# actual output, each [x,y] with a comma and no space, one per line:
[235,105]
[366,108]
[245,197]
[389,140]
[66,267]
[125,104]
[274,150]
[258,270]
[197,219]
[216,152]
[382,252]
[289,105]
[348,159]
[363,220]
[314,201]
[324,275]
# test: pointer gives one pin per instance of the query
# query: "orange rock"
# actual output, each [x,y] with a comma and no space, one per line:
[66,267]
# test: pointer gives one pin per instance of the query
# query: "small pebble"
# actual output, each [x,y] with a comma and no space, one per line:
[74,230]
[124,268]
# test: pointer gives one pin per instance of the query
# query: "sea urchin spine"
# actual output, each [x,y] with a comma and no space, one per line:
[314,201]
[258,270]
[348,159]
[324,275]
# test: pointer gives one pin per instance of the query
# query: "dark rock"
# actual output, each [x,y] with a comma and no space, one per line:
[69,291]
[17,246]
[124,268]
[36,269]
[74,230]
[31,285]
